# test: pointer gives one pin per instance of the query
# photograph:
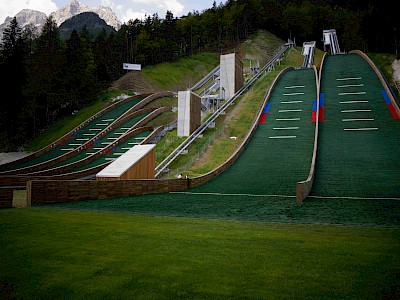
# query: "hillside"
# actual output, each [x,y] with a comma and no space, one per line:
[88,20]
[176,76]
[185,72]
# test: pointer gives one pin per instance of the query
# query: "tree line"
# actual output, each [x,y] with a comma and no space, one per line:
[46,78]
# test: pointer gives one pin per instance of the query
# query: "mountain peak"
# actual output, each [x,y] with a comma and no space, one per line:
[36,18]
[24,18]
[74,8]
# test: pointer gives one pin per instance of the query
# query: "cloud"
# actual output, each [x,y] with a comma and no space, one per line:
[11,8]
[172,5]
[130,14]
[140,9]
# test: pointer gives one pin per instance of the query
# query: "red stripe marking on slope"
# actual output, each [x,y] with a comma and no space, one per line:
[262,118]
[393,112]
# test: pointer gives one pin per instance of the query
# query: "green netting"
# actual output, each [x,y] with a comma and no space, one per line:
[359,140]
[111,136]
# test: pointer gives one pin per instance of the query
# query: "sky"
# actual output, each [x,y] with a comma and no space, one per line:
[124,9]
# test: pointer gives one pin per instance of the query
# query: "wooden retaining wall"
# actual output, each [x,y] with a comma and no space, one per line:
[6,198]
[54,191]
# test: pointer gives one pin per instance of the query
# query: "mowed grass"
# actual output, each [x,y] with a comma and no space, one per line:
[186,71]
[53,254]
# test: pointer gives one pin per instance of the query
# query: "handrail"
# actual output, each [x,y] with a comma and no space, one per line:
[170,158]
[205,79]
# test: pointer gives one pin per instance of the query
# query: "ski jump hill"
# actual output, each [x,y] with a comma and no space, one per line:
[328,133]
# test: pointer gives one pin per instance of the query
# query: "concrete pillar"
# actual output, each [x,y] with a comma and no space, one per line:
[189,113]
[231,75]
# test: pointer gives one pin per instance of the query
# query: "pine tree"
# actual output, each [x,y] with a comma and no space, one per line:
[44,90]
[13,68]
[79,72]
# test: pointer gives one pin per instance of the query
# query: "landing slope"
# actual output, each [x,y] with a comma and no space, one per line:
[279,154]
[359,140]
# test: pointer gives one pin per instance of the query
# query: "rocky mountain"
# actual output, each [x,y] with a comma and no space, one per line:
[75,8]
[25,18]
[94,24]
[28,16]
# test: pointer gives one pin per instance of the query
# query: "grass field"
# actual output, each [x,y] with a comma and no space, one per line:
[187,70]
[66,254]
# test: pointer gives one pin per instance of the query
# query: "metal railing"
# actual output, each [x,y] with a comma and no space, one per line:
[186,143]
[204,80]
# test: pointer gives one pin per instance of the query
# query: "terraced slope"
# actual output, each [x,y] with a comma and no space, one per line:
[98,145]
[115,152]
[80,137]
[359,138]
[279,154]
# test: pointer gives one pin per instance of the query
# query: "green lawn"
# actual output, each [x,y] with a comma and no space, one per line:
[65,254]
[186,71]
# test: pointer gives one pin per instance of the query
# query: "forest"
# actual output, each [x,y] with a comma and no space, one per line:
[46,78]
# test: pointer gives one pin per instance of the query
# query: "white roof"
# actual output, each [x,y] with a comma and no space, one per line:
[125,161]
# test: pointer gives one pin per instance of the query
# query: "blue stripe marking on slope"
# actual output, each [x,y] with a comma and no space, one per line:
[79,131]
[314,105]
[386,97]
[321,99]
[266,108]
